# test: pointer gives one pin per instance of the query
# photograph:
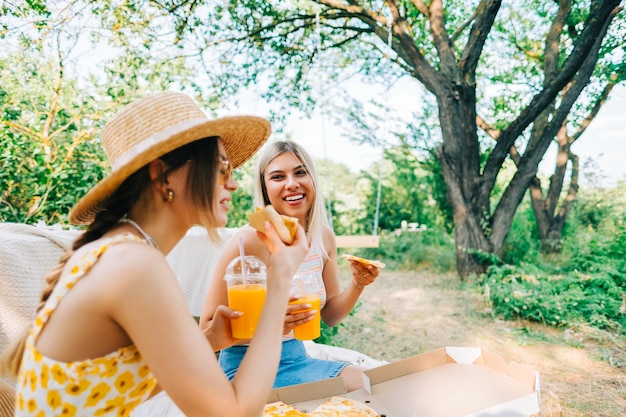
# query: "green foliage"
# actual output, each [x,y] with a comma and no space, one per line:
[522,244]
[406,191]
[242,201]
[558,297]
[584,284]
[328,333]
[49,148]
[48,154]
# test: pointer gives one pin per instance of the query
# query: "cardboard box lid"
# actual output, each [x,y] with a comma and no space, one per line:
[454,382]
[310,391]
[307,397]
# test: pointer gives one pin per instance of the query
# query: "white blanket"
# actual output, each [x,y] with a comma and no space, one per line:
[27,254]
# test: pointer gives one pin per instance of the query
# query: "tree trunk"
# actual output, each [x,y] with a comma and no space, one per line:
[461,165]
[550,223]
[470,243]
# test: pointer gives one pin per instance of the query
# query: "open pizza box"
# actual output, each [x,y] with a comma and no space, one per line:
[447,382]
[307,397]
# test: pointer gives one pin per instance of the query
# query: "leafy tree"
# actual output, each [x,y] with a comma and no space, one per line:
[49,156]
[405,191]
[53,105]
[553,204]
[455,51]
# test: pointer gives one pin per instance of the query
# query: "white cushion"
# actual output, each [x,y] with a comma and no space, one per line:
[27,254]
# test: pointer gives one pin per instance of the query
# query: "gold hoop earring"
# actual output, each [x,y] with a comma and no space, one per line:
[169,197]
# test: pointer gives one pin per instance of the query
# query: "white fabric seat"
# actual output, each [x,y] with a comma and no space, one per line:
[193,260]
[27,254]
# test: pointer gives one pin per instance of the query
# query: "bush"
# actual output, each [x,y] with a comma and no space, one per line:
[328,333]
[589,288]
[522,244]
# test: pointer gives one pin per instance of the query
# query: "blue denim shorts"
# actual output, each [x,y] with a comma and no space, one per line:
[295,367]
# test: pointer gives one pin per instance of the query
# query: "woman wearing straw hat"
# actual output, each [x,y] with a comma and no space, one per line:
[113,320]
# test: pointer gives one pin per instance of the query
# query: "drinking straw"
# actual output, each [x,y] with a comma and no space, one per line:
[244,269]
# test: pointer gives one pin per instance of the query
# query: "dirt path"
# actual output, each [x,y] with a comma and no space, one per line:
[583,372]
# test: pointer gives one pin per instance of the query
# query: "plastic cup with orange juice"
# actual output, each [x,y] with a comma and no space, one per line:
[246,293]
[308,287]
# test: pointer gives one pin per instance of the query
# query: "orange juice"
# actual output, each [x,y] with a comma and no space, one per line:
[311,329]
[248,299]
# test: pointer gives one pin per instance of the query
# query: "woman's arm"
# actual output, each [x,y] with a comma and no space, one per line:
[340,303]
[153,311]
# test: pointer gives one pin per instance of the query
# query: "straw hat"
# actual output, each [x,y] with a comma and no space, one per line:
[153,126]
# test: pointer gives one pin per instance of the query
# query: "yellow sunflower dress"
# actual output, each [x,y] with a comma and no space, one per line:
[112,385]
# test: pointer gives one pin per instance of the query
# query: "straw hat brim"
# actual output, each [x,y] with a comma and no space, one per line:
[242,136]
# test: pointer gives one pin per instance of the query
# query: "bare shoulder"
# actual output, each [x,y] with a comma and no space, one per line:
[126,264]
[327,233]
[330,242]
[247,233]
[251,241]
[127,276]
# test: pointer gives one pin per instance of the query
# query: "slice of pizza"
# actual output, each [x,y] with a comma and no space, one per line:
[285,226]
[280,409]
[343,407]
[377,264]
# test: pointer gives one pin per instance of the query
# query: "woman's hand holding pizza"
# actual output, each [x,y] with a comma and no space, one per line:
[364,271]
[362,275]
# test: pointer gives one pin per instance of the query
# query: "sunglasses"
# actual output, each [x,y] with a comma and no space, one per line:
[226,170]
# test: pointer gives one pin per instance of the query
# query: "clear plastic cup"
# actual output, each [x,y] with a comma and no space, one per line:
[246,293]
[308,287]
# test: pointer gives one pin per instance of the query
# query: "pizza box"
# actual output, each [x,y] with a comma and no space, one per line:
[447,382]
[307,397]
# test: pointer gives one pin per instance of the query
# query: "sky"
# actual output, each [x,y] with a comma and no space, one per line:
[605,138]
[603,143]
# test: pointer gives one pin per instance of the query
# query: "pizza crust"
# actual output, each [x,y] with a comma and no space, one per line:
[280,409]
[344,407]
[364,261]
[333,407]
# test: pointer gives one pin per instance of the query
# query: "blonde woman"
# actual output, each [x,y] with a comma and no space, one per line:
[286,179]
[113,320]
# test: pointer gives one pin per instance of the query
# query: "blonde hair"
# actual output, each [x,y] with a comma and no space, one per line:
[204,157]
[316,217]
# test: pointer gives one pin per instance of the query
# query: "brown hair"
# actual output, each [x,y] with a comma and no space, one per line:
[204,157]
